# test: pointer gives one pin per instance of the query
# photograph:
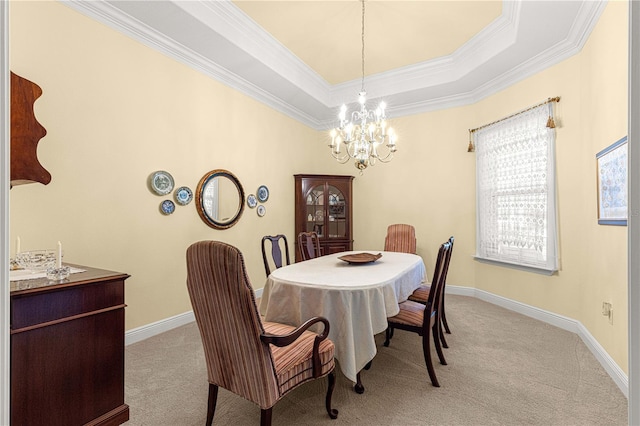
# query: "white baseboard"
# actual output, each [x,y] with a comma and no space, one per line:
[611,367]
[139,334]
[565,323]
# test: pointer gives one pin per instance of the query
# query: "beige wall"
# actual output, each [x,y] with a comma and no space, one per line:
[432,185]
[116,111]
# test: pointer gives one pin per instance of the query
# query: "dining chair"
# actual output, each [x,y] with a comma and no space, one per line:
[400,238]
[421,295]
[424,319]
[276,251]
[255,359]
[309,245]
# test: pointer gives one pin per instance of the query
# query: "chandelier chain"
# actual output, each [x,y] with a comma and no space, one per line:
[362,46]
[364,137]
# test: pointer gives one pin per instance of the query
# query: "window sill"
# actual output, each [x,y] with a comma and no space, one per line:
[516,266]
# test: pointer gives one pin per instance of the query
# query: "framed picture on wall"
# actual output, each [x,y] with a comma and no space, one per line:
[612,173]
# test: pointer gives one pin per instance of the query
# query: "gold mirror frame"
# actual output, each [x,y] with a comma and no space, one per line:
[201,199]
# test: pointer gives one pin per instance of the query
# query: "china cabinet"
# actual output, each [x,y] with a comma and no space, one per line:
[324,204]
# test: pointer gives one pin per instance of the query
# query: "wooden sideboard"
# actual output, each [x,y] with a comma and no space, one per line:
[67,350]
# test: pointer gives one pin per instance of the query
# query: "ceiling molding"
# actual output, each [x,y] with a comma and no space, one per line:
[219,40]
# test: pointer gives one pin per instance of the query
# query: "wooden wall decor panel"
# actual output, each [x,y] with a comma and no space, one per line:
[26,132]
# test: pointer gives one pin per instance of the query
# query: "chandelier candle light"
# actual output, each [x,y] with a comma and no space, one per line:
[365,132]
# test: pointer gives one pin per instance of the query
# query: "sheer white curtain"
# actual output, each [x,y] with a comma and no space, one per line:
[515,189]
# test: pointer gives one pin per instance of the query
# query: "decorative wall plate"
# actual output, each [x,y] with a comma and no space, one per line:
[161,182]
[183,195]
[263,193]
[252,201]
[167,207]
[261,210]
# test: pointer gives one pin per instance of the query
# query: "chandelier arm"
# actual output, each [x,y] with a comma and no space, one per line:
[387,158]
[341,159]
[351,149]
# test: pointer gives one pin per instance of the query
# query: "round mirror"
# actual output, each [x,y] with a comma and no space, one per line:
[220,199]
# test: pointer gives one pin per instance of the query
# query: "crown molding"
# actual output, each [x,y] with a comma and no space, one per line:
[507,51]
[233,24]
[115,18]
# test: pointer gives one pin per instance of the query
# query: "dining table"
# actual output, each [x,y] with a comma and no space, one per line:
[356,291]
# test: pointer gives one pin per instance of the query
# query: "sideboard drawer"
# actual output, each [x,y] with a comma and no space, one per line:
[34,309]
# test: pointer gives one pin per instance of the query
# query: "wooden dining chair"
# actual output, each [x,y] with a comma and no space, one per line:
[400,238]
[260,361]
[421,295]
[276,251]
[424,319]
[309,245]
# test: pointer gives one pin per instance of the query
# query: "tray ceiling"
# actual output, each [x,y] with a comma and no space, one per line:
[303,58]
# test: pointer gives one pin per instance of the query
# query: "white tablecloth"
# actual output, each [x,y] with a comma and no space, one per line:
[355,298]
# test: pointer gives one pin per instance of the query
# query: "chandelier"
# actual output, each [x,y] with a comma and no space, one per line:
[365,133]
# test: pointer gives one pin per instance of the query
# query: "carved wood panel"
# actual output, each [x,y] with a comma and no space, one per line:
[26,132]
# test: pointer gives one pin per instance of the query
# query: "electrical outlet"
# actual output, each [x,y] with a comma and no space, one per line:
[607,311]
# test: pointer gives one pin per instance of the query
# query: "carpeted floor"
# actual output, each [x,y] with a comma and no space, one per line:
[503,369]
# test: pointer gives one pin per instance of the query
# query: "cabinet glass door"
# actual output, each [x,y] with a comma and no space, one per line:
[315,210]
[337,220]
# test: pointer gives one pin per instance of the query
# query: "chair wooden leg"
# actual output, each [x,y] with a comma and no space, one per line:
[388,335]
[358,387]
[265,417]
[441,334]
[211,405]
[435,330]
[333,413]
[444,320]
[426,348]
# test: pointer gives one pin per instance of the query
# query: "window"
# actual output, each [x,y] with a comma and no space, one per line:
[515,190]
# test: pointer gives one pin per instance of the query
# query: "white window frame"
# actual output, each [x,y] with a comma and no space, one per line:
[515,165]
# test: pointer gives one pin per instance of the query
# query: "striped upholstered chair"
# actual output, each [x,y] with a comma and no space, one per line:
[425,319]
[258,360]
[400,238]
[421,295]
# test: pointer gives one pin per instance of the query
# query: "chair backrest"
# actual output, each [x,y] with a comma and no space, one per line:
[451,240]
[309,245]
[434,301]
[400,238]
[446,265]
[276,251]
[447,260]
[230,326]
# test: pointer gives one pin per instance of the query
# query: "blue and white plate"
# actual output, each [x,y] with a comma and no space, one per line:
[261,210]
[252,201]
[263,193]
[161,182]
[167,207]
[183,195]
